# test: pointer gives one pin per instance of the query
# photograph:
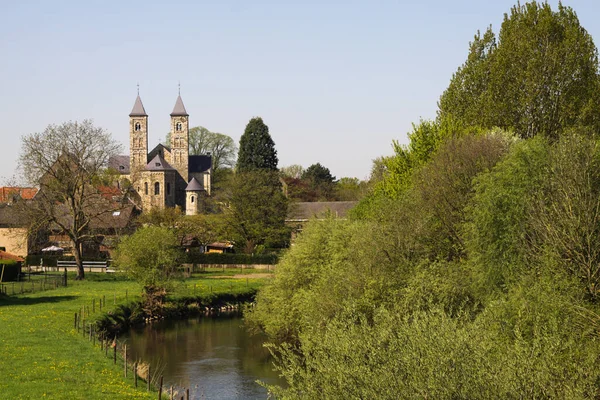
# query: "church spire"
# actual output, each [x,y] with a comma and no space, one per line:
[179,109]
[138,108]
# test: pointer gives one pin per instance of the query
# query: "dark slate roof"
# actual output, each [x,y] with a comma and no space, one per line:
[9,217]
[117,219]
[179,108]
[194,186]
[199,163]
[158,163]
[159,149]
[120,164]
[303,211]
[138,109]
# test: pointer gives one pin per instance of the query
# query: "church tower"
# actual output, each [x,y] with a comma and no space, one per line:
[138,138]
[180,139]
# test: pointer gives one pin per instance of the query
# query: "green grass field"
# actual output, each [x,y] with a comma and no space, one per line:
[43,356]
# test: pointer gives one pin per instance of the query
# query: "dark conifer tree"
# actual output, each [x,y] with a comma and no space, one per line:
[257,149]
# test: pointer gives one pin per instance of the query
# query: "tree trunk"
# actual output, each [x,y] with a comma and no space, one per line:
[78,261]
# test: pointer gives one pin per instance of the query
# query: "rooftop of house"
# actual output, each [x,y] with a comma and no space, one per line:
[303,211]
[9,217]
[120,164]
[9,256]
[10,194]
[158,163]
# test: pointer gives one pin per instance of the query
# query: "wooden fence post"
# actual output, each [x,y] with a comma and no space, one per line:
[160,387]
[75,321]
[125,359]
[135,374]
[115,351]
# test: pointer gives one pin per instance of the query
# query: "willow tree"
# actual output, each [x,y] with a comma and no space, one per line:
[68,163]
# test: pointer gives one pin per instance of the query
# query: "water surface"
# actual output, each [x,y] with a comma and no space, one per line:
[215,357]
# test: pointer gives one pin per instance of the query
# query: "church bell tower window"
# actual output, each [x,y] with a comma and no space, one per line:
[138,127]
[178,127]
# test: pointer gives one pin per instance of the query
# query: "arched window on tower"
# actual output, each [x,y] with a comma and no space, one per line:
[192,199]
[146,187]
[178,127]
[138,127]
[156,188]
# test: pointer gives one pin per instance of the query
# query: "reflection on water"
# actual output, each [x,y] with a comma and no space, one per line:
[213,356]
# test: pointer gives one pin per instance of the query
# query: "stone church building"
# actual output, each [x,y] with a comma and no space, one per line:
[164,176]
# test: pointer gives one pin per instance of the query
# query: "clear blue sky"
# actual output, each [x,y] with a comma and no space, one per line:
[336,81]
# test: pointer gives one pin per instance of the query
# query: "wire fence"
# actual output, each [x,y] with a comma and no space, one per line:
[31,282]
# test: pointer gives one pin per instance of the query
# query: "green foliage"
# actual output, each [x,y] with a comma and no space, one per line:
[540,77]
[232,258]
[565,220]
[256,211]
[350,189]
[257,149]
[392,176]
[320,180]
[151,256]
[445,187]
[472,270]
[10,270]
[221,147]
[497,237]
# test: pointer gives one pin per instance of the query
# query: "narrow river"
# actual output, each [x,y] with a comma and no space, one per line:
[215,357]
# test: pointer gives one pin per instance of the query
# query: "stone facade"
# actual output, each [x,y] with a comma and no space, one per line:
[157,189]
[194,203]
[138,143]
[180,144]
[160,177]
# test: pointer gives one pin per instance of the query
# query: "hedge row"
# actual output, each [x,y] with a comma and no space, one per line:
[50,260]
[232,258]
[12,270]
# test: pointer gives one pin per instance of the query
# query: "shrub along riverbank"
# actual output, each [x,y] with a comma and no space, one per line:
[42,355]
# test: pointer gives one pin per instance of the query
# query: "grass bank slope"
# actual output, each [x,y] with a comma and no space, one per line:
[43,356]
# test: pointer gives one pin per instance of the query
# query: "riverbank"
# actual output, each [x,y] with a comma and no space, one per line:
[43,355]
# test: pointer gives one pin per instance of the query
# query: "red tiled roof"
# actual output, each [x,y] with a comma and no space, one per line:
[109,192]
[8,193]
[9,256]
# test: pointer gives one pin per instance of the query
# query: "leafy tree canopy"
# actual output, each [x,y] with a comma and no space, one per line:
[150,256]
[318,174]
[539,77]
[256,211]
[221,147]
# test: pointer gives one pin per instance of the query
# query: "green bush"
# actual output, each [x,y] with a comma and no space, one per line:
[12,270]
[232,258]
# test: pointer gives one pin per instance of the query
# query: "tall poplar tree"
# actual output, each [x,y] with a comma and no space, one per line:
[257,149]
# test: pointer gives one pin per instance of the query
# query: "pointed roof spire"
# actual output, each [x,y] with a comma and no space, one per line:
[179,109]
[194,186]
[138,108]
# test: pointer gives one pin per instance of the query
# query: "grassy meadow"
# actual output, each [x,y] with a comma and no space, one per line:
[43,356]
